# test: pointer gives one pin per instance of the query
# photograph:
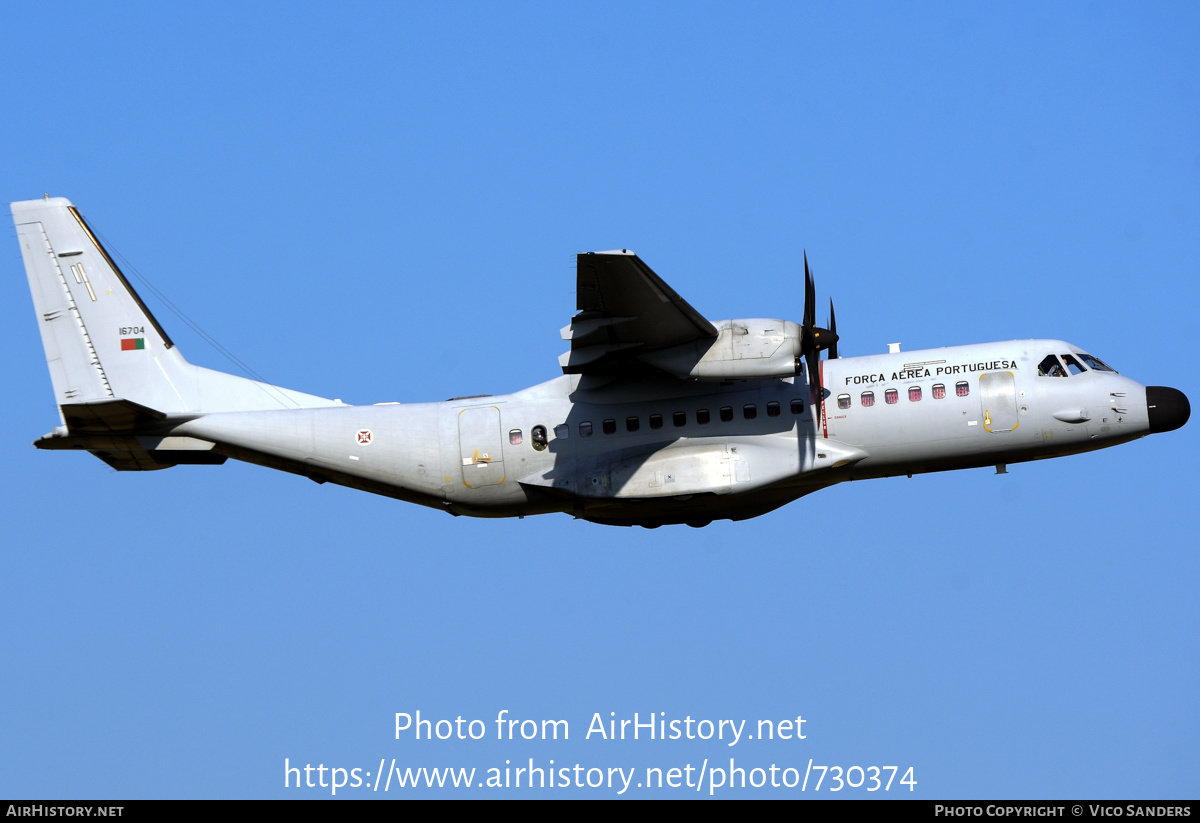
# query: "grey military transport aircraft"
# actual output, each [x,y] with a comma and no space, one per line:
[660,416]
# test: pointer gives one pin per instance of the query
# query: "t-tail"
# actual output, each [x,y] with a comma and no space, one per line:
[119,380]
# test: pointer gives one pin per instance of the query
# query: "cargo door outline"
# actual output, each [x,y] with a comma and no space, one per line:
[480,444]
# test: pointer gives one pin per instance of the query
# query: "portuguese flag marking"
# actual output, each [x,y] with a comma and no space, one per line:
[132,343]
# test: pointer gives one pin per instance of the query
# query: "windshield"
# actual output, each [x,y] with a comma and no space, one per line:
[1095,363]
[1072,364]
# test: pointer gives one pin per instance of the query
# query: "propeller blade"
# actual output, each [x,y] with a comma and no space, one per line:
[813,339]
[833,332]
[810,297]
[814,378]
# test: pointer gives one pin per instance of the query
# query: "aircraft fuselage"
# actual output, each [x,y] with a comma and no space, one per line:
[661,416]
[631,453]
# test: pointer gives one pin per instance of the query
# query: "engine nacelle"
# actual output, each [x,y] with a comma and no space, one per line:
[747,349]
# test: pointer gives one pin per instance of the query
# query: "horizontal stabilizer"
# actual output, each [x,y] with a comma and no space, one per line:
[109,433]
[109,416]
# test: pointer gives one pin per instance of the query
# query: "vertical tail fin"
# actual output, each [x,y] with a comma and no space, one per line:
[102,343]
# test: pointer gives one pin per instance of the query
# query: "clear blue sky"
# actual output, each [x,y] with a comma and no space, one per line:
[383,202]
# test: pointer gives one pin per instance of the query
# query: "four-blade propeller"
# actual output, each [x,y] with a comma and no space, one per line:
[814,339]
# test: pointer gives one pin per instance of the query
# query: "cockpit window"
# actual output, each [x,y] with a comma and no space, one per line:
[1050,367]
[1072,364]
[1095,363]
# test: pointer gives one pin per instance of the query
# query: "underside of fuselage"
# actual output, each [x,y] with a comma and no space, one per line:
[693,510]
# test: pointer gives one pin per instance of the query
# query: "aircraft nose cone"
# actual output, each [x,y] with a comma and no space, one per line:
[1167,408]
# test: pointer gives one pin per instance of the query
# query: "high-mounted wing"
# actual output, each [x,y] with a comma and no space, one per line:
[625,310]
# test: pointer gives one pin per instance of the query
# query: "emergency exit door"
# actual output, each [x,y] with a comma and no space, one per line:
[480,446]
[998,398]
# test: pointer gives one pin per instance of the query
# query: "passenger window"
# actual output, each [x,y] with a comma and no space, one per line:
[797,406]
[631,424]
[561,431]
[514,437]
[939,391]
[1072,364]
[1050,367]
[961,388]
[749,411]
[891,396]
[610,426]
[868,398]
[538,435]
[656,421]
[702,416]
[914,394]
[585,428]
[843,401]
[773,408]
[726,414]
[679,419]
